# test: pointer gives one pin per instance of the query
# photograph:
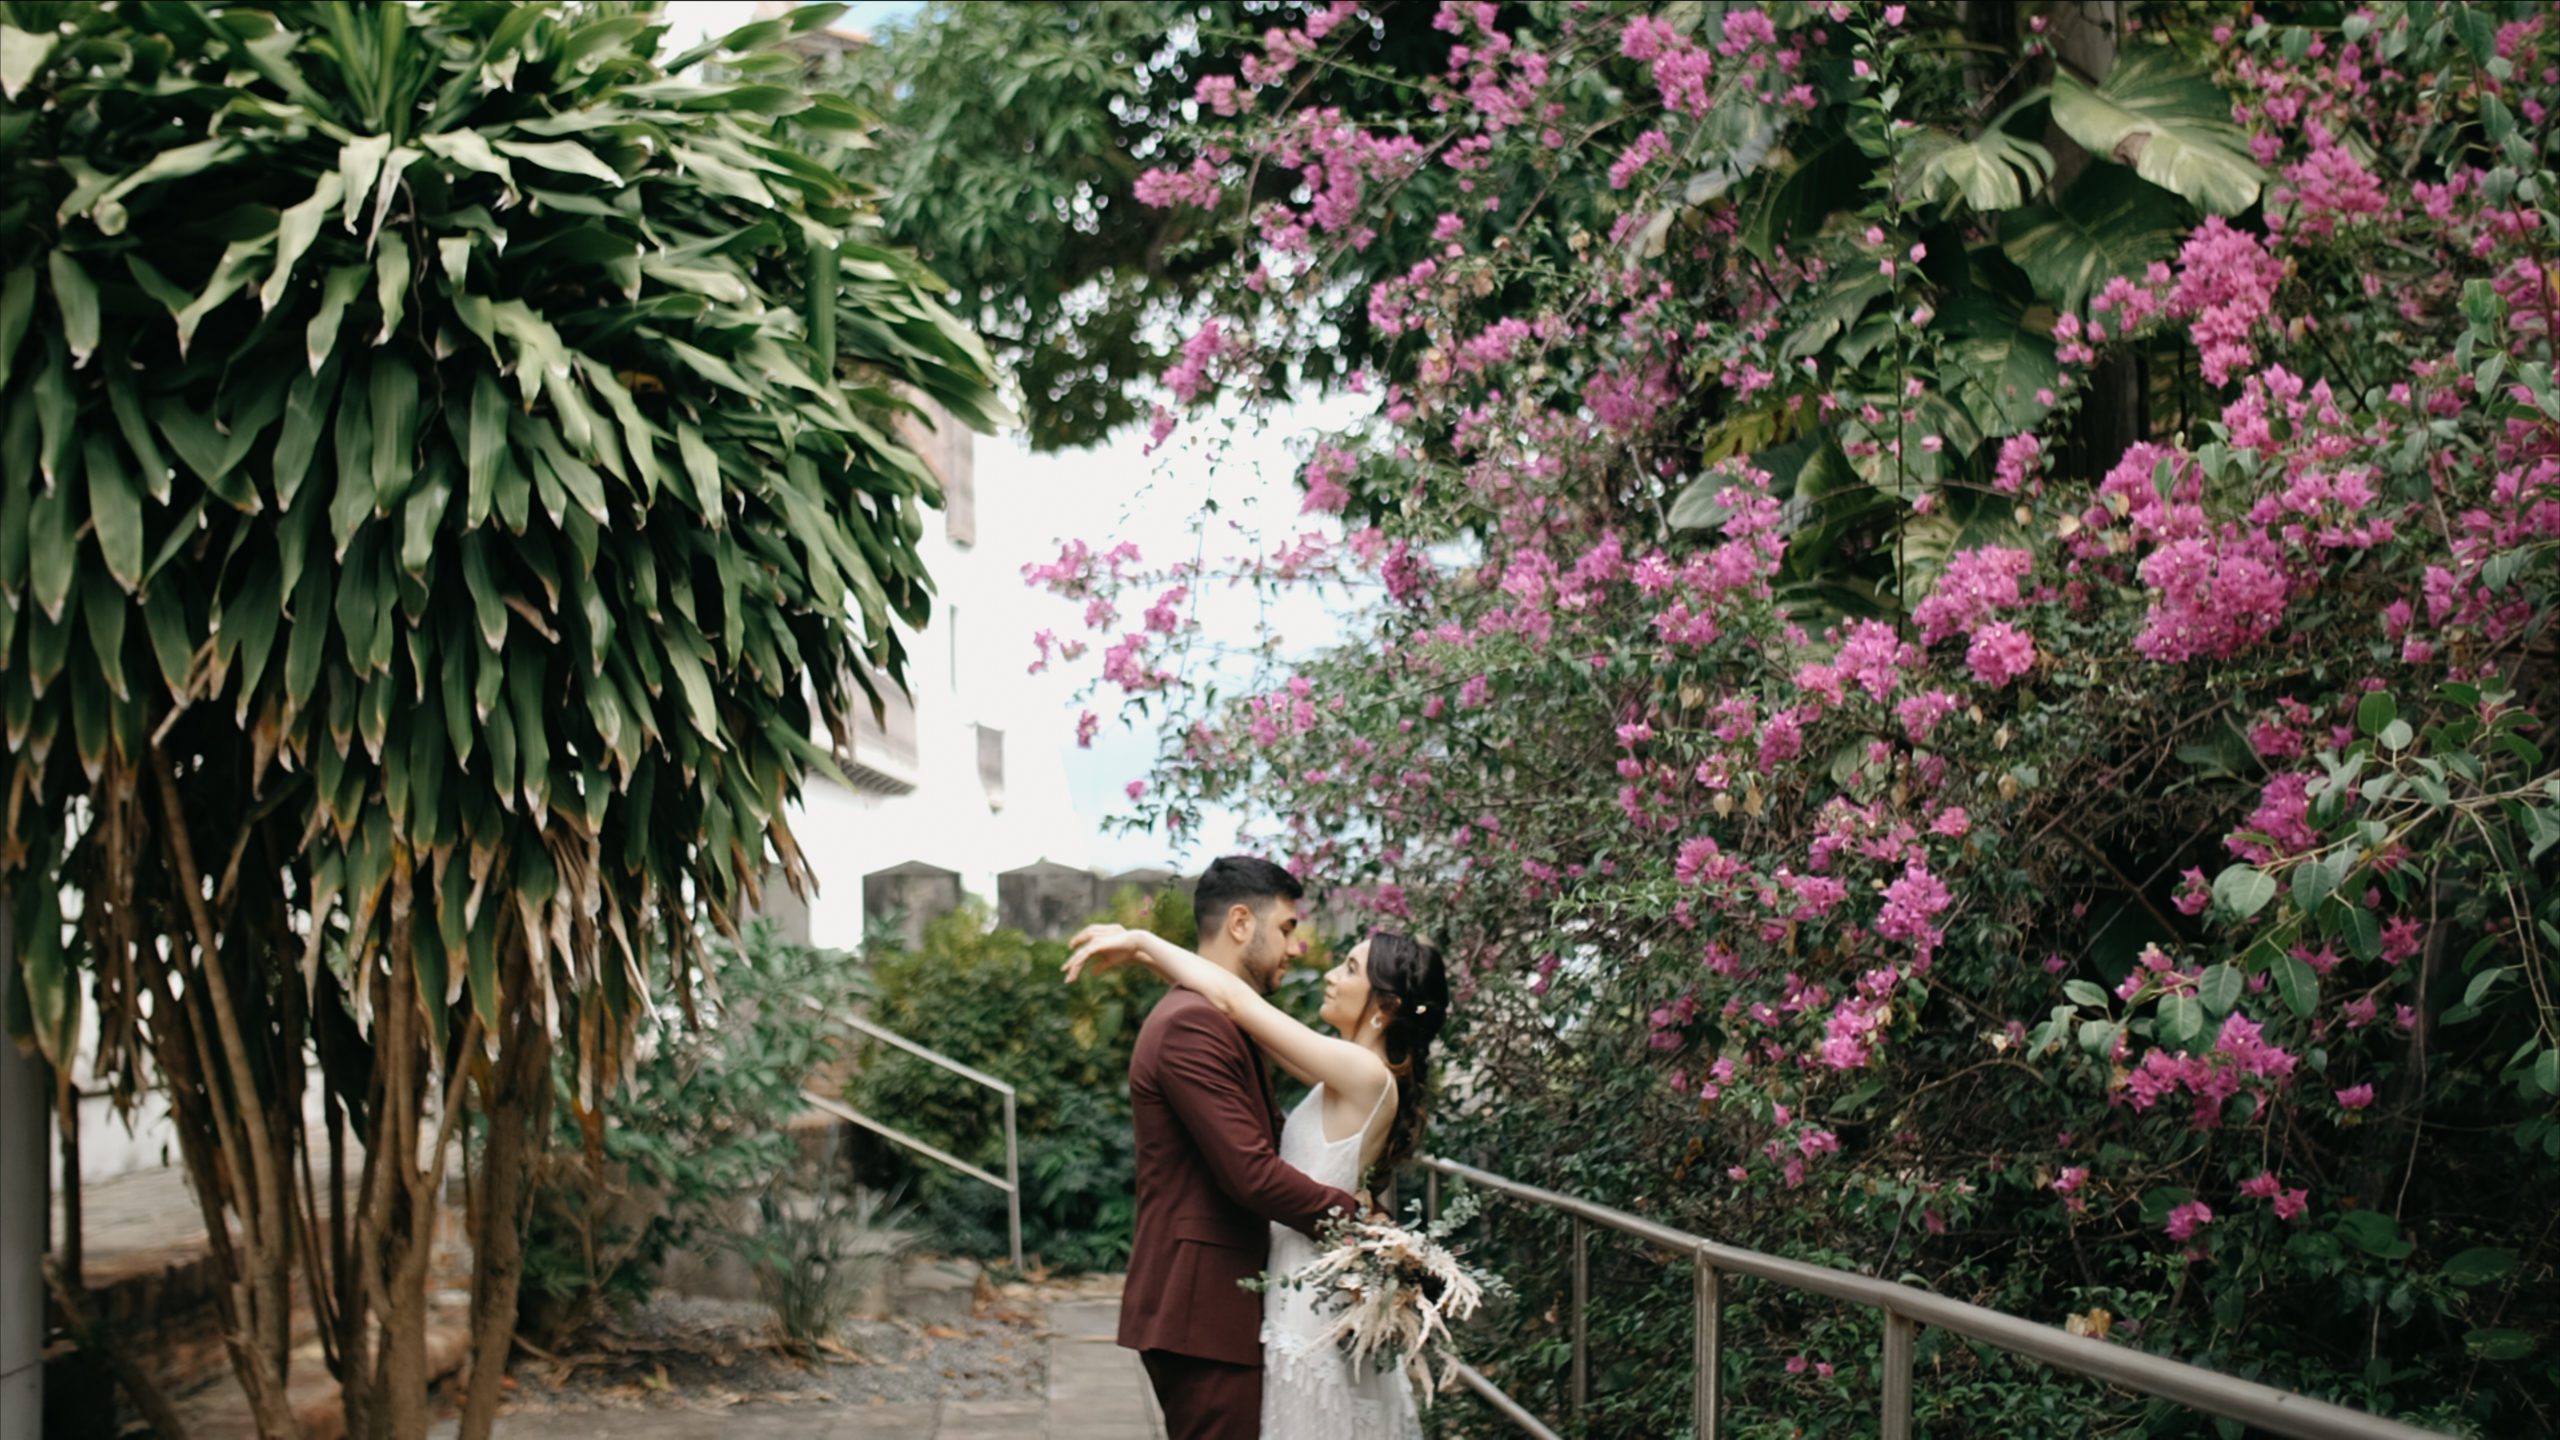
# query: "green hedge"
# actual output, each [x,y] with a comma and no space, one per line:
[993,998]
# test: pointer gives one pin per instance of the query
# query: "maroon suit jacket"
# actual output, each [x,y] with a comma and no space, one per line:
[1210,1185]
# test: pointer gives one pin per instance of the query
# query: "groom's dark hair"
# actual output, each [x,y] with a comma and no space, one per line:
[1245,880]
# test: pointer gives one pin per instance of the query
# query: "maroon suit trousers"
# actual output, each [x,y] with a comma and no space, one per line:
[1205,1399]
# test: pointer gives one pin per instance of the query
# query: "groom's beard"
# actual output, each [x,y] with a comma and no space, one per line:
[1263,970]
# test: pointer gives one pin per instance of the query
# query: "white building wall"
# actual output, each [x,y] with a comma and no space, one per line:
[966,670]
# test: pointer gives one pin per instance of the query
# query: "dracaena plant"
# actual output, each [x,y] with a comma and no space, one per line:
[451,473]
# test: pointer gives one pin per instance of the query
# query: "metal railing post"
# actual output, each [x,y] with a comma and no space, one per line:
[1710,1348]
[1581,1318]
[1010,1182]
[1013,1181]
[1899,1332]
[1431,1196]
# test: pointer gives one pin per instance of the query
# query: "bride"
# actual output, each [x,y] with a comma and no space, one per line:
[1385,1002]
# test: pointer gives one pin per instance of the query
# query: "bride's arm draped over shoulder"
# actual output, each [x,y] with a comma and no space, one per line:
[1349,1072]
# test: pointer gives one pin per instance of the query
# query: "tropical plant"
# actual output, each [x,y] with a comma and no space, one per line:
[816,1253]
[447,475]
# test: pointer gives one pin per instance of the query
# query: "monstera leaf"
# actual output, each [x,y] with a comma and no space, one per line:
[1995,365]
[1993,171]
[2171,124]
[1822,171]
[2110,222]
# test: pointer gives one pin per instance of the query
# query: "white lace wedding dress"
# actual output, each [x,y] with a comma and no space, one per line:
[1308,1389]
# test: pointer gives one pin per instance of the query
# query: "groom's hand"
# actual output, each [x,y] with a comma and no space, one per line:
[1100,947]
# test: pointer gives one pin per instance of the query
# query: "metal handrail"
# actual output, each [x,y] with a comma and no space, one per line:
[1011,1184]
[1905,1309]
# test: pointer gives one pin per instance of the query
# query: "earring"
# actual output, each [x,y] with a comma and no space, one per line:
[1376,1021]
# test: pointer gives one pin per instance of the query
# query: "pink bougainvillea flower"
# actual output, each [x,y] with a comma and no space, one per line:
[2185,1220]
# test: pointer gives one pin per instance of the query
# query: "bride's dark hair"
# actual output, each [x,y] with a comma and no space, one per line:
[1410,987]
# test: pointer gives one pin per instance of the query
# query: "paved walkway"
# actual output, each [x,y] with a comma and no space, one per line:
[1097,1391]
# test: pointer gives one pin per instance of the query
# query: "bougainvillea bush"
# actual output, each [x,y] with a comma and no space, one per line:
[1952,613]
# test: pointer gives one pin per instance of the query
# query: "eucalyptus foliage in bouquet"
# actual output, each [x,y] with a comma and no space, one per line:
[1392,1292]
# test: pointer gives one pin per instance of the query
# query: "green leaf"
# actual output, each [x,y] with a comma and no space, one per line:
[2182,1019]
[2546,1072]
[52,985]
[2375,711]
[164,615]
[2364,932]
[484,447]
[115,508]
[2479,1265]
[469,150]
[2314,879]
[359,165]
[306,411]
[395,427]
[1994,365]
[53,518]
[2374,1233]
[238,264]
[2083,992]
[2298,985]
[2243,890]
[296,228]
[22,57]
[103,605]
[2499,571]
[391,283]
[75,294]
[2220,988]
[2396,735]
[565,156]
[136,427]
[2109,223]
[2498,1344]
[486,601]
[2170,123]
[17,307]
[172,164]
[345,282]
[686,661]
[1993,171]
[2098,1037]
[308,645]
[710,497]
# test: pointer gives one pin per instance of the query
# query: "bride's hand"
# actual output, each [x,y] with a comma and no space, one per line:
[1102,947]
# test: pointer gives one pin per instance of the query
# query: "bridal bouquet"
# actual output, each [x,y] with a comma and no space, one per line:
[1392,1292]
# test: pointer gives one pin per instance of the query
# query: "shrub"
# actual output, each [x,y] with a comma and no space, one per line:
[704,1121]
[993,999]
[1960,716]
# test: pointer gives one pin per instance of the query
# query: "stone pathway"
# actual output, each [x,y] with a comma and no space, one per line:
[1097,1391]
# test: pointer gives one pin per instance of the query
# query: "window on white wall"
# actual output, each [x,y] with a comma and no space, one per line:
[882,756]
[991,765]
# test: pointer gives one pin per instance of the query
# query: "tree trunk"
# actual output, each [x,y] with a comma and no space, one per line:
[2113,418]
[517,1107]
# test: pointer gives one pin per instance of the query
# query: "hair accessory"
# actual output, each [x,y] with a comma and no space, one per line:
[1421,1009]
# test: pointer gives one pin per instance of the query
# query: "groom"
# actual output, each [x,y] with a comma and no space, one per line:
[1210,1181]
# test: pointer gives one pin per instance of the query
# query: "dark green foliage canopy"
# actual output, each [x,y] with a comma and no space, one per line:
[460,443]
